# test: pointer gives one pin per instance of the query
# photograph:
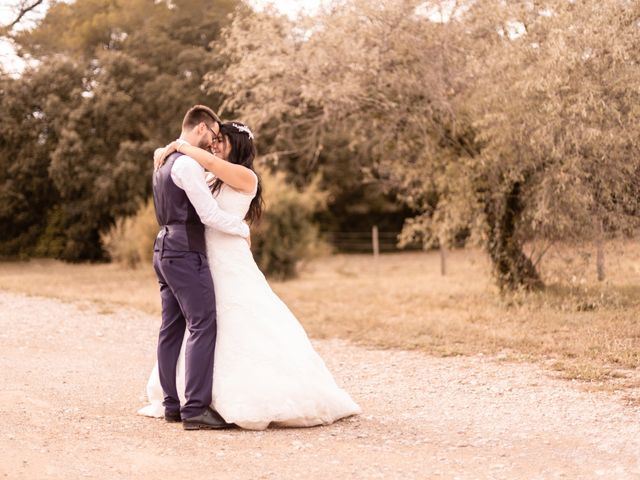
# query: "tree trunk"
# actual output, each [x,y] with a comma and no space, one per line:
[513,269]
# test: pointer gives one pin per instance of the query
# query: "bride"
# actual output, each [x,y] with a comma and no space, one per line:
[266,371]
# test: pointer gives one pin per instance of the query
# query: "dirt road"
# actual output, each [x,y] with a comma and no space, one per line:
[72,377]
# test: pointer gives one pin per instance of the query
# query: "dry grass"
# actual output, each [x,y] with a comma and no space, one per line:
[584,329]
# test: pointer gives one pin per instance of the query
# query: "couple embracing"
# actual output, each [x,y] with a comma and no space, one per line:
[230,352]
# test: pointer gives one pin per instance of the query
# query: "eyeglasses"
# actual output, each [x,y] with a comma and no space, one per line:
[216,138]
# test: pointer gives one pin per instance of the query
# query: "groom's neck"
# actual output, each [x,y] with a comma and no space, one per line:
[188,137]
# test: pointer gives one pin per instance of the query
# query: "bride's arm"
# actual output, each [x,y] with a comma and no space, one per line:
[236,176]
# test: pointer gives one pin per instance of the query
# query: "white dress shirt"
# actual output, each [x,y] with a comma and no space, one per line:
[189,176]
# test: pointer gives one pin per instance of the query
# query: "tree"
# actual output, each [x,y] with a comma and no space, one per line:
[379,77]
[33,111]
[137,67]
[101,163]
[556,112]
[508,120]
[308,95]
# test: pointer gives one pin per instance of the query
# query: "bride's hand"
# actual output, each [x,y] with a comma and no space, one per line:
[160,155]
[157,155]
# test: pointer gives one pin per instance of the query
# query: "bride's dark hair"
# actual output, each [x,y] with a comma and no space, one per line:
[243,152]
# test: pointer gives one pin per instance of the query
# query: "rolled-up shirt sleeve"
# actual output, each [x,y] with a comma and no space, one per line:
[188,174]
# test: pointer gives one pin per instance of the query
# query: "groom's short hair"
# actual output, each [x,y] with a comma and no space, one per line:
[198,114]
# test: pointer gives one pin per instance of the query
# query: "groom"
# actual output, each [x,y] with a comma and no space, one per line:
[184,205]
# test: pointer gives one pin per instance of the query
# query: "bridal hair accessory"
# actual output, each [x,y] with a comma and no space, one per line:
[243,128]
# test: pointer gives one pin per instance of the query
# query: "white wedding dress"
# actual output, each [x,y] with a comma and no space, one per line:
[266,371]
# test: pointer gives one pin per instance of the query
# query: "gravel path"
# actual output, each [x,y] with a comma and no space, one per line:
[73,376]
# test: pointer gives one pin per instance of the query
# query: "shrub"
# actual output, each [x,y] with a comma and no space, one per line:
[130,240]
[286,233]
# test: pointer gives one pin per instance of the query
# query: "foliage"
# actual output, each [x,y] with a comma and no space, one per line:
[559,159]
[77,129]
[33,113]
[138,66]
[286,233]
[382,76]
[101,163]
[266,65]
[513,121]
[130,241]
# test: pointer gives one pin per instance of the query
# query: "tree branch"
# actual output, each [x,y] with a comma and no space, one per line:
[24,7]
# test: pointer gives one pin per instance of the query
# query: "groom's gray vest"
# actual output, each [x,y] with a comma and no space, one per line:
[181,228]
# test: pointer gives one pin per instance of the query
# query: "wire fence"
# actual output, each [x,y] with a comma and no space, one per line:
[375,242]
[363,241]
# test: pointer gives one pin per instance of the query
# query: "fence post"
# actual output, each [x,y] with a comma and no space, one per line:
[375,242]
[600,253]
[443,259]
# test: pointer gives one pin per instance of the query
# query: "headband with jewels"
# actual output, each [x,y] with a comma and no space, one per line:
[244,129]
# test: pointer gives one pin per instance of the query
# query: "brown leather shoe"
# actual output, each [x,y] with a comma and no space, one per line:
[207,420]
